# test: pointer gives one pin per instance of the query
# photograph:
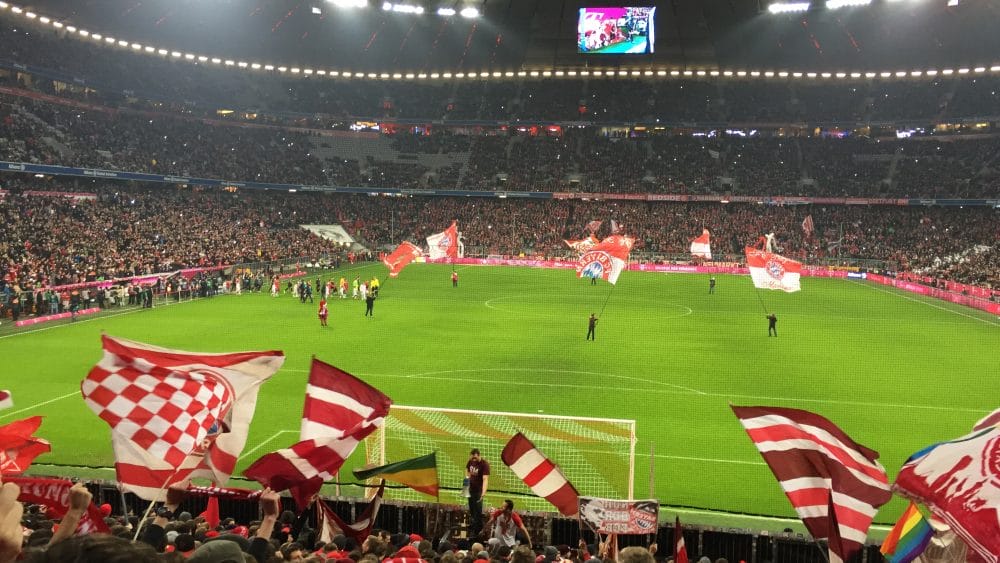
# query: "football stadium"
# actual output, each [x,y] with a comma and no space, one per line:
[504,280]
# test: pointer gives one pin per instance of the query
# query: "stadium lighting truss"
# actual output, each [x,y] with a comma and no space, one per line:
[787,7]
[547,73]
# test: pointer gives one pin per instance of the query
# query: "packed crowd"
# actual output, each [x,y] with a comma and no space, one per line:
[518,159]
[172,534]
[134,231]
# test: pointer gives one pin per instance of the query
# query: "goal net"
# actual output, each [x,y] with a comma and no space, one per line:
[597,455]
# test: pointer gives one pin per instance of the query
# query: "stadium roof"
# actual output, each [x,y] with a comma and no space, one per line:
[527,34]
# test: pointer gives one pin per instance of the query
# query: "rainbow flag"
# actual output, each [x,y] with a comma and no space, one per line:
[908,538]
[419,473]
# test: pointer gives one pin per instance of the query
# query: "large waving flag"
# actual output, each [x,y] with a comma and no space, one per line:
[908,538]
[175,415]
[835,484]
[701,247]
[18,448]
[340,411]
[771,271]
[405,253]
[540,475]
[444,244]
[5,399]
[582,245]
[330,525]
[606,260]
[419,473]
[959,481]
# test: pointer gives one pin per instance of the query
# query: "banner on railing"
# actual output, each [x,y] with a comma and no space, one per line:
[608,516]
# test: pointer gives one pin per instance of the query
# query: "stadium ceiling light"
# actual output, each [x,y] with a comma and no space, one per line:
[137,46]
[947,71]
[979,69]
[242,64]
[584,73]
[755,73]
[285,69]
[383,76]
[321,72]
[216,60]
[855,75]
[796,75]
[150,49]
[636,73]
[421,75]
[650,73]
[44,19]
[334,73]
[109,40]
[675,73]
[463,75]
[16,10]
[688,73]
[255,66]
[885,74]
[841,75]
[435,75]
[295,70]
[727,73]
[268,67]
[508,73]
[410,76]
[59,25]
[787,7]
[397,76]
[741,73]
[202,58]
[230,62]
[769,74]
[122,43]
[916,73]
[869,75]
[445,75]
[995,68]
[811,74]
[900,73]
[836,4]
[963,71]
[30,15]
[446,12]
[469,12]
[714,73]
[316,11]
[346,74]
[826,75]
[82,32]
[189,56]
[783,74]
[661,73]
[700,73]
[349,3]
[533,73]
[4,5]
[96,36]
[931,72]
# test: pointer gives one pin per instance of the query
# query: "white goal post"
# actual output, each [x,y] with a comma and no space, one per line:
[597,455]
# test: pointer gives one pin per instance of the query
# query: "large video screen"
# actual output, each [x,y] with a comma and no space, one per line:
[616,31]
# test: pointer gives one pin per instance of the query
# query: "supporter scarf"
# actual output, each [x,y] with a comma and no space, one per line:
[54,494]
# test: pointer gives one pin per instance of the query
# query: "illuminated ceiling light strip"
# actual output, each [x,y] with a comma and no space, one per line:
[4,5]
[16,10]
[836,4]
[787,7]
[469,12]
[446,12]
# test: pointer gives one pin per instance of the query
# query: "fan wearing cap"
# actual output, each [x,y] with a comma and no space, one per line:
[507,523]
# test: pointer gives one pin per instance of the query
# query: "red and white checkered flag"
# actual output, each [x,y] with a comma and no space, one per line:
[340,411]
[5,399]
[174,414]
[820,469]
[540,475]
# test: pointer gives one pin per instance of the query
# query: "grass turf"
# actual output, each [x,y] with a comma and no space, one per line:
[896,371]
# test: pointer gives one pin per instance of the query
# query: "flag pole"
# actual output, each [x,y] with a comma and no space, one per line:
[145,515]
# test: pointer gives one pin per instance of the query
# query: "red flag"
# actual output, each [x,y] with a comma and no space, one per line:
[959,481]
[701,247]
[582,245]
[593,226]
[175,415]
[340,411]
[330,524]
[5,399]
[616,227]
[53,493]
[18,448]
[607,260]
[680,550]
[771,271]
[807,225]
[404,254]
[540,475]
[835,484]
[211,513]
[992,419]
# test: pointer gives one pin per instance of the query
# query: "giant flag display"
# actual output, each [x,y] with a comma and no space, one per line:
[340,410]
[405,253]
[582,245]
[835,484]
[419,473]
[543,477]
[444,244]
[701,247]
[959,481]
[175,415]
[771,271]
[18,447]
[606,260]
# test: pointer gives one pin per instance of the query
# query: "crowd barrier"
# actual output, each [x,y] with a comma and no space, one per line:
[57,316]
[145,279]
[943,294]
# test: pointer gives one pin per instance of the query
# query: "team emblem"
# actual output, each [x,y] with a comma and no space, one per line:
[594,264]
[775,269]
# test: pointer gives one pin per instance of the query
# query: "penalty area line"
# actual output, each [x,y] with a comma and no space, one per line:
[921,301]
[36,405]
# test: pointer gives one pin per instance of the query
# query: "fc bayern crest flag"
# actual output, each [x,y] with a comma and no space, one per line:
[175,415]
[606,260]
[701,247]
[444,244]
[959,481]
[772,271]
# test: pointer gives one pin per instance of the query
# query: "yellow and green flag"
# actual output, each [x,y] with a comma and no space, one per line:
[419,473]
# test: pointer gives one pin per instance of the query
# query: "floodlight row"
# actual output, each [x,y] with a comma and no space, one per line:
[283,69]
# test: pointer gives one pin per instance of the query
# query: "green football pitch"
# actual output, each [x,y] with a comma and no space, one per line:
[896,371]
